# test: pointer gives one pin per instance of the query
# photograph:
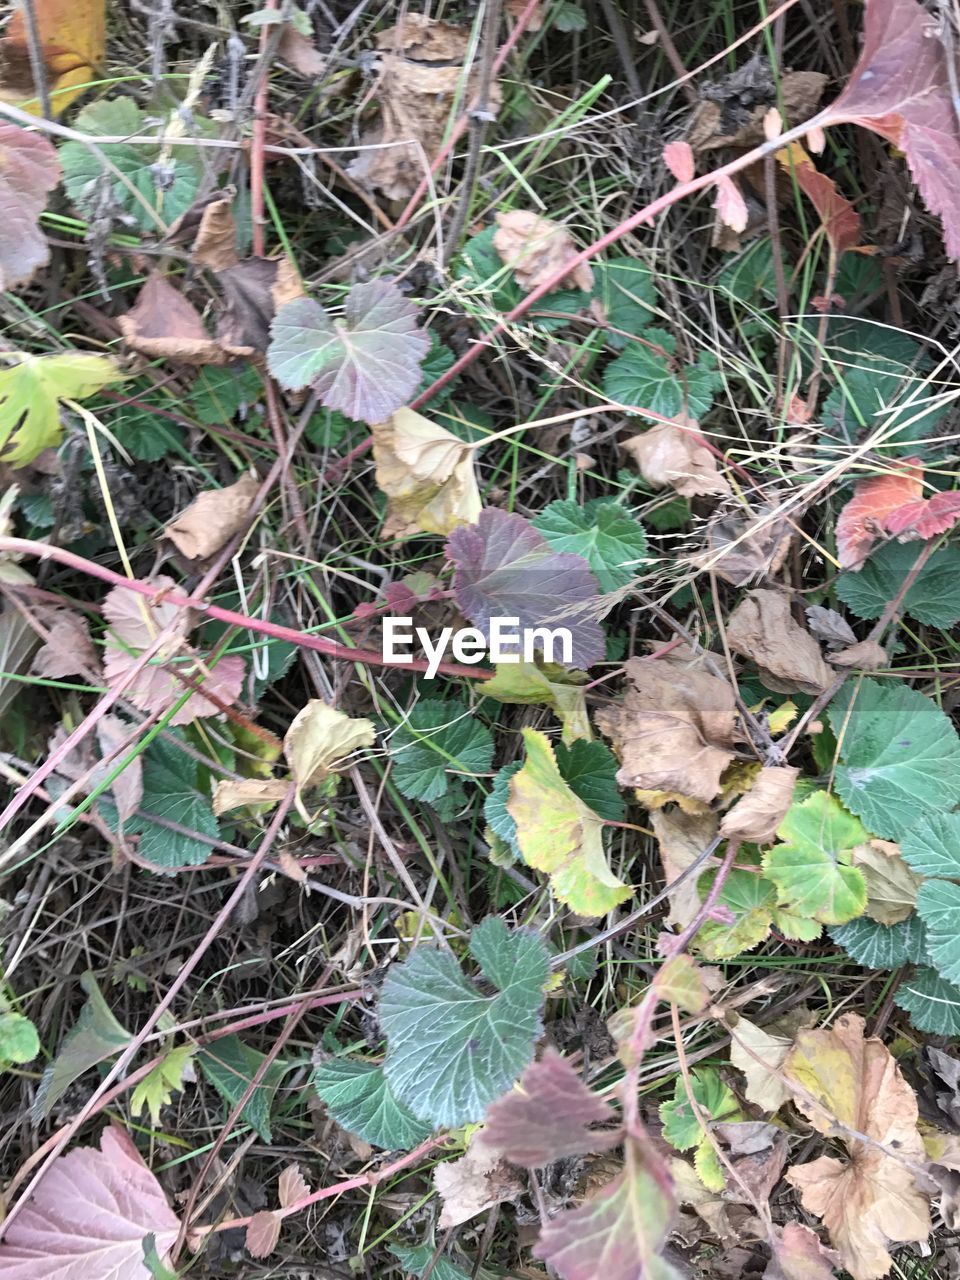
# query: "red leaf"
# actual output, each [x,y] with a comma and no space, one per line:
[506,569]
[841,222]
[679,159]
[730,205]
[864,517]
[617,1234]
[89,1216]
[926,518]
[900,88]
[29,170]
[263,1232]
[548,1117]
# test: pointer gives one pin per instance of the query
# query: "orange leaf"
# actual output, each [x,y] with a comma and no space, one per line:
[72,40]
[864,517]
[841,222]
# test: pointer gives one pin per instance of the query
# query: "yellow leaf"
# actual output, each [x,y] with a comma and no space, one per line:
[30,392]
[318,739]
[524,683]
[427,475]
[72,41]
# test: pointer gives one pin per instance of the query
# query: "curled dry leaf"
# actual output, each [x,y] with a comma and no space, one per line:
[263,1232]
[215,245]
[674,730]
[758,1152]
[674,454]
[29,171]
[253,291]
[422,75]
[318,739]
[763,628]
[472,1184]
[213,518]
[535,248]
[233,793]
[830,627]
[756,816]
[741,548]
[682,838]
[870,1199]
[679,159]
[892,886]
[867,655]
[68,649]
[427,474]
[162,324]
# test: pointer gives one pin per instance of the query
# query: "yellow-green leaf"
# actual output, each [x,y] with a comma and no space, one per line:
[525,684]
[30,392]
[157,1089]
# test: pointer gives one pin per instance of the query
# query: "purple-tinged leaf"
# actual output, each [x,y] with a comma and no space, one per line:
[549,1116]
[618,1233]
[365,363]
[506,569]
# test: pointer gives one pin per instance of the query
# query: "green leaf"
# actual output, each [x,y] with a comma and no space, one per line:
[812,868]
[590,770]
[561,836]
[230,1065]
[526,684]
[625,290]
[219,394]
[437,741]
[481,271]
[171,791]
[360,1100]
[30,395]
[751,900]
[157,1089]
[751,275]
[900,756]
[95,1036]
[932,846]
[611,541]
[85,178]
[880,946]
[145,435]
[932,1003]
[452,1049]
[19,1041]
[683,1130]
[569,17]
[646,378]
[934,598]
[938,906]
[495,806]
[417,1258]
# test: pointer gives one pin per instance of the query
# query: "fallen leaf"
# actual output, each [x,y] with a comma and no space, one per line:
[535,248]
[674,454]
[756,816]
[319,738]
[841,222]
[231,793]
[88,1217]
[291,1186]
[799,1255]
[300,53]
[427,474]
[891,885]
[72,38]
[709,1206]
[798,91]
[127,787]
[421,66]
[526,684]
[263,1232]
[758,1152]
[730,205]
[213,518]
[745,547]
[830,627]
[550,1115]
[866,655]
[765,1087]
[68,649]
[763,628]
[472,1184]
[559,835]
[682,837]
[215,244]
[162,324]
[30,392]
[134,624]
[679,159]
[253,291]
[674,730]
[893,504]
[870,1199]
[29,171]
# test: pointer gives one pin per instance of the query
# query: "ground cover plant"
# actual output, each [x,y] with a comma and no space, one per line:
[336,940]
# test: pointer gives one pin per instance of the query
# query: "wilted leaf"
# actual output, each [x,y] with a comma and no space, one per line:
[551,1114]
[752,88]
[427,474]
[741,548]
[616,1234]
[135,623]
[421,80]
[730,205]
[157,1089]
[215,244]
[366,365]
[95,1036]
[72,38]
[162,324]
[763,628]
[89,1217]
[683,838]
[611,541]
[765,1086]
[29,170]
[213,518]
[841,222]
[536,248]
[871,1198]
[472,1184]
[68,649]
[830,627]
[813,870]
[891,885]
[756,816]
[263,1232]
[452,1050]
[234,793]
[300,53]
[506,569]
[892,503]
[867,655]
[253,290]
[319,738]
[559,835]
[30,391]
[799,1255]
[360,1100]
[674,730]
[674,454]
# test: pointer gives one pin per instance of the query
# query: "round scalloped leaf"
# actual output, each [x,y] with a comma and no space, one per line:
[590,770]
[495,806]
[611,540]
[900,756]
[880,946]
[811,869]
[437,742]
[751,899]
[648,378]
[19,1041]
[452,1049]
[938,905]
[624,288]
[934,598]
[360,1100]
[932,1003]
[365,364]
[932,846]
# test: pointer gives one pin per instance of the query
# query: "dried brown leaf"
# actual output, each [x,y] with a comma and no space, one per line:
[68,649]
[763,628]
[427,474]
[232,793]
[162,324]
[682,838]
[291,1186]
[475,1182]
[799,1255]
[891,885]
[765,1084]
[799,94]
[300,53]
[252,291]
[213,518]
[867,655]
[263,1232]
[536,248]
[215,246]
[741,548]
[674,454]
[756,816]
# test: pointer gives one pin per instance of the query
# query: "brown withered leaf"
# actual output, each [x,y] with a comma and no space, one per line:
[867,655]
[68,650]
[756,816]
[213,518]
[759,1152]
[733,115]
[163,324]
[799,1255]
[871,1198]
[300,53]
[474,1183]
[891,885]
[682,838]
[741,548]
[830,627]
[215,245]
[427,474]
[252,291]
[673,454]
[291,1186]
[421,67]
[674,730]
[535,248]
[234,793]
[263,1232]
[763,628]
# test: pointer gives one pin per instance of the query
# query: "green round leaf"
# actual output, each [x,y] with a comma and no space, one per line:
[19,1041]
